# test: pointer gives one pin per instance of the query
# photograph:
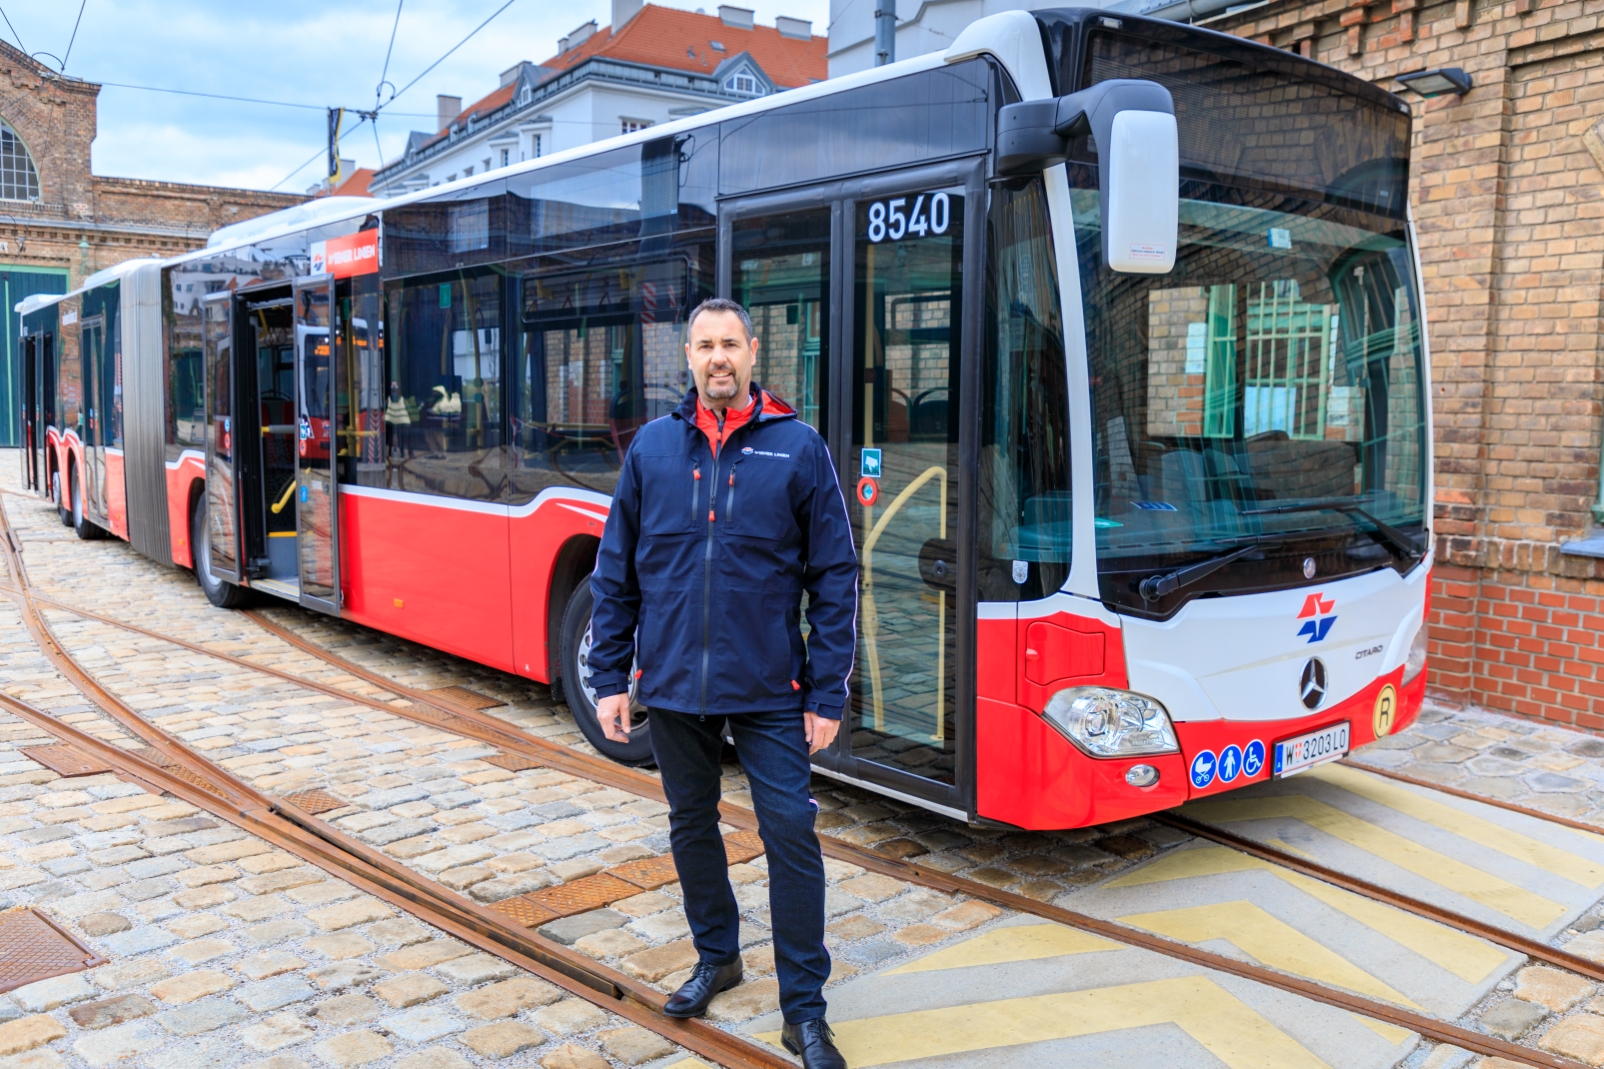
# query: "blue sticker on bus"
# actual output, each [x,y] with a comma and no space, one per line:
[869,464]
[1203,769]
[1155,506]
[1253,759]
[1230,763]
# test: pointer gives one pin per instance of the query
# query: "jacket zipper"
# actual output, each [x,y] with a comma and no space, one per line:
[696,478]
[729,501]
[707,584]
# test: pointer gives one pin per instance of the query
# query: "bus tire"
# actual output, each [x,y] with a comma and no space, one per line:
[582,700]
[85,528]
[63,513]
[218,591]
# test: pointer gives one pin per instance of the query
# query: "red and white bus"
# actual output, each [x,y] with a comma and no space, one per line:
[1131,409]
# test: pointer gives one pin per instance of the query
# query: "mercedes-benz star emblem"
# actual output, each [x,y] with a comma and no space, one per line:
[1312,687]
[1308,567]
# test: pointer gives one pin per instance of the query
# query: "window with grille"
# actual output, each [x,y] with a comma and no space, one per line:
[631,125]
[18,179]
[742,83]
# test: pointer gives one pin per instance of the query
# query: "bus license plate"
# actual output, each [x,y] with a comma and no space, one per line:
[1316,748]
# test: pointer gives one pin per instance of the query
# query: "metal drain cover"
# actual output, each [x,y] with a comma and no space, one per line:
[33,948]
[463,696]
[314,801]
[65,761]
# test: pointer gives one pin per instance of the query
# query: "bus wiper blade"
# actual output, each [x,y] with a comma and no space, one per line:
[1156,586]
[1406,546]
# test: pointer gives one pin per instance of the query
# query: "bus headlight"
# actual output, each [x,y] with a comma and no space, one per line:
[1105,722]
[1415,663]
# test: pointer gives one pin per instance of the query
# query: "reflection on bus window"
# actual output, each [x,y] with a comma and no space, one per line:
[1268,387]
[443,399]
[1024,443]
[601,354]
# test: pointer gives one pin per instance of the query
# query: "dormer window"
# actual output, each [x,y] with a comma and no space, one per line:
[741,83]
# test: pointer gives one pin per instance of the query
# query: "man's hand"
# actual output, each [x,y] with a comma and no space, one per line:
[613,714]
[820,730]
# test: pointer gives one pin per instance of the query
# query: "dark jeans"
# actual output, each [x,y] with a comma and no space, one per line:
[774,752]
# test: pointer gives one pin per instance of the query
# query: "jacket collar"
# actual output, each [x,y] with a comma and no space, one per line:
[769,407]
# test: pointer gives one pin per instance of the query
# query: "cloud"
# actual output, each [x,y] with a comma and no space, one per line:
[292,50]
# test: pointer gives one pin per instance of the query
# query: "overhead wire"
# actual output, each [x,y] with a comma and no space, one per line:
[76,23]
[13,29]
[310,159]
[453,48]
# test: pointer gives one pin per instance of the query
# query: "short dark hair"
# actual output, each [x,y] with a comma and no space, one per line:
[722,304]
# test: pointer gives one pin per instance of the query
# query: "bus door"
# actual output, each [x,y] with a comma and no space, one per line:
[221,524]
[317,516]
[910,350]
[858,298]
[93,349]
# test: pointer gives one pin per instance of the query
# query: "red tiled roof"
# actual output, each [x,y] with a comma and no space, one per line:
[682,40]
[356,185]
[668,37]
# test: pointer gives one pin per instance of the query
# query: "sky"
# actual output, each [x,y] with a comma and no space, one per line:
[296,51]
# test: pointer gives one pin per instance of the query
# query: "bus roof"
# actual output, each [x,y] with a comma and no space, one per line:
[36,301]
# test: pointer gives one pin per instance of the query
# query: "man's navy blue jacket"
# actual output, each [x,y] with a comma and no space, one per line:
[707,590]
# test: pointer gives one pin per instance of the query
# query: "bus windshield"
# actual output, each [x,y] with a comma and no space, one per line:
[1265,394]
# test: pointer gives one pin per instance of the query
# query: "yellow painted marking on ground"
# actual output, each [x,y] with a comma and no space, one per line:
[1269,939]
[1023,943]
[1286,847]
[1390,1032]
[1466,956]
[1476,884]
[1562,863]
[1227,1028]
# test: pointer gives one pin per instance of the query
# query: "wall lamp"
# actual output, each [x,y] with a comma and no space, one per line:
[1437,82]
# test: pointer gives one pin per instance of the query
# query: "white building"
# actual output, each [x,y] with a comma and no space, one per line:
[651,65]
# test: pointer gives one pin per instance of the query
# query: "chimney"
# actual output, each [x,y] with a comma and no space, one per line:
[511,74]
[736,18]
[624,10]
[801,29]
[577,37]
[447,109]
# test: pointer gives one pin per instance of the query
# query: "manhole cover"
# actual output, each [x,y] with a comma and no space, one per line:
[511,762]
[463,696]
[524,912]
[65,761]
[156,757]
[648,873]
[33,948]
[584,895]
[742,846]
[314,801]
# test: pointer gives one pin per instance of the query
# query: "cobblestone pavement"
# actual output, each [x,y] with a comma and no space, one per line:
[425,797]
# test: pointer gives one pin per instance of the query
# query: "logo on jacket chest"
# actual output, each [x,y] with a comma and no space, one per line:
[750,452]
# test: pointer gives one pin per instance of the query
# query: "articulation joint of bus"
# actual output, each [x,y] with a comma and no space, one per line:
[1112,325]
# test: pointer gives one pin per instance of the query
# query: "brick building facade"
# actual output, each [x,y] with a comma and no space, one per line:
[1506,191]
[63,222]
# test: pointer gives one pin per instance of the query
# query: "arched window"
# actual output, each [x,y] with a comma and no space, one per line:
[18,179]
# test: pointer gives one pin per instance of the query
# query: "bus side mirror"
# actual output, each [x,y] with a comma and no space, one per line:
[1132,126]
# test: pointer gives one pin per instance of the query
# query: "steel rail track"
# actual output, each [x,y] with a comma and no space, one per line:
[284,825]
[335,855]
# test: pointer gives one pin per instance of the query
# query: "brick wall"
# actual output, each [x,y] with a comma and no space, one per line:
[1506,188]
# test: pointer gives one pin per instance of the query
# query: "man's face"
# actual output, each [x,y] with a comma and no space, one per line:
[721,358]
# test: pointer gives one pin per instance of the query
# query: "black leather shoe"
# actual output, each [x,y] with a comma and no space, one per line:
[706,981]
[814,1041]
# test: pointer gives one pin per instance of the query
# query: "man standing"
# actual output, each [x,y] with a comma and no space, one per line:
[726,512]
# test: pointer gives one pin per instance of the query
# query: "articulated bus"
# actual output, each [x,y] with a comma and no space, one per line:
[1113,325]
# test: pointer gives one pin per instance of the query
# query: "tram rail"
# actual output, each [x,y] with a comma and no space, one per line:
[285,825]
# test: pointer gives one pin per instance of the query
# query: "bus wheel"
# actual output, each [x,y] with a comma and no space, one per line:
[582,697]
[63,513]
[218,591]
[82,525]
